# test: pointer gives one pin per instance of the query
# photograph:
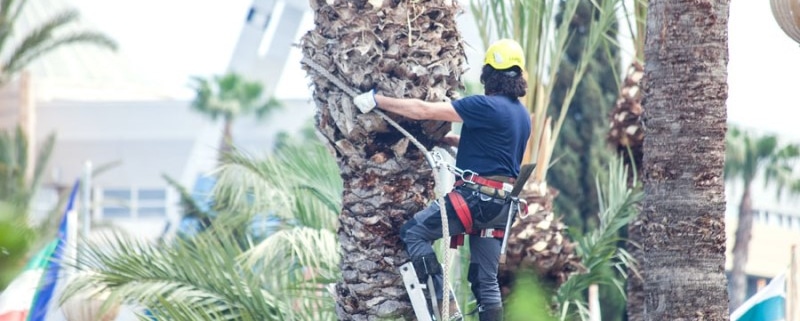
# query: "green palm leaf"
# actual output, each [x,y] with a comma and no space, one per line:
[230,96]
[216,275]
[299,183]
[748,155]
[599,249]
[44,38]
[203,278]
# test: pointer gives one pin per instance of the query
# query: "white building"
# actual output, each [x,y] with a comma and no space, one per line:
[103,113]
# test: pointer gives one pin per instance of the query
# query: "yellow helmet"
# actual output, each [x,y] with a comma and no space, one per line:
[504,54]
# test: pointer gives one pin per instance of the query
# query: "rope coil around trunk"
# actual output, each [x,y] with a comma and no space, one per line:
[434,166]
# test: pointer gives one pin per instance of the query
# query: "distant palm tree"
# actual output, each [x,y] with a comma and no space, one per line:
[748,156]
[16,194]
[43,38]
[211,276]
[230,96]
[15,187]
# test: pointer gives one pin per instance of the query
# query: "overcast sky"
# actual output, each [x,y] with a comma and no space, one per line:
[173,40]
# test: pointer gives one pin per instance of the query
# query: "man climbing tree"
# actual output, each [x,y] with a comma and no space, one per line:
[495,132]
[406,48]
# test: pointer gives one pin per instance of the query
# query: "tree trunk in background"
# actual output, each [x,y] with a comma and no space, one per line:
[683,227]
[744,232]
[226,142]
[406,49]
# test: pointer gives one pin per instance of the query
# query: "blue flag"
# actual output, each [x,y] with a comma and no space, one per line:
[768,304]
[47,284]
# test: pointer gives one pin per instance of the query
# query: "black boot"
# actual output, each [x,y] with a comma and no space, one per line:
[491,314]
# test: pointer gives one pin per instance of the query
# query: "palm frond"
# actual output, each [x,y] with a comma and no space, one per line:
[191,278]
[230,95]
[599,249]
[37,45]
[298,252]
[188,204]
[298,183]
[42,160]
[9,12]
[244,186]
[747,155]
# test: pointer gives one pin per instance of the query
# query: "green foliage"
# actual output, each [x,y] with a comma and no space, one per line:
[45,37]
[582,149]
[529,300]
[188,205]
[230,96]
[598,249]
[300,183]
[16,239]
[18,185]
[748,155]
[212,276]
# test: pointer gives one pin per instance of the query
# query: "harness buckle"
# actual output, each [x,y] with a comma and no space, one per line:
[466,176]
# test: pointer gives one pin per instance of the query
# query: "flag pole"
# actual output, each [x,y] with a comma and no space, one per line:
[86,199]
[791,284]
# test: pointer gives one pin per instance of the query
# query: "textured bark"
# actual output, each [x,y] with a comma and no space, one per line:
[683,227]
[403,49]
[634,287]
[741,246]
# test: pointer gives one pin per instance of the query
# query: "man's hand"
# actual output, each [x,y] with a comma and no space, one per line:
[366,101]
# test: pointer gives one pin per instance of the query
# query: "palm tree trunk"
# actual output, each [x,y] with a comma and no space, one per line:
[683,225]
[226,143]
[634,288]
[405,49]
[744,232]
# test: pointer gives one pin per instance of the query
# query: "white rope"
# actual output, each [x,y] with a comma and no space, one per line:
[440,170]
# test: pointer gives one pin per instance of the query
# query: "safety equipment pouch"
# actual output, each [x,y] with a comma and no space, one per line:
[492,214]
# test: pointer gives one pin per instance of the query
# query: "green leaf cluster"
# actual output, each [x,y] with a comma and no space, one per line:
[44,37]
[222,273]
[599,249]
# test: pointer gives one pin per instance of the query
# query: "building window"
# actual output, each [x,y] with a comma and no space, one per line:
[133,203]
[250,14]
[116,203]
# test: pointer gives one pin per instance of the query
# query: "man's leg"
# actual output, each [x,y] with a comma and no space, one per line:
[484,261]
[418,235]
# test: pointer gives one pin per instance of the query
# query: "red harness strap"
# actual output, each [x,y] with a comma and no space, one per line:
[493,232]
[464,215]
[482,181]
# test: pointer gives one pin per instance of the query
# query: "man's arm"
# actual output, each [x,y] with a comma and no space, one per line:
[418,109]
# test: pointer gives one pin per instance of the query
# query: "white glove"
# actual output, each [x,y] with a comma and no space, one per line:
[366,101]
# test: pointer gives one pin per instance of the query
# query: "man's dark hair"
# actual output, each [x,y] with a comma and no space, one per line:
[507,82]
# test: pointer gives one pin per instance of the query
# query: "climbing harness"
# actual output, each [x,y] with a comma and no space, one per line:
[444,169]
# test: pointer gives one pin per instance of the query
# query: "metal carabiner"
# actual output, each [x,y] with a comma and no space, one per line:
[466,176]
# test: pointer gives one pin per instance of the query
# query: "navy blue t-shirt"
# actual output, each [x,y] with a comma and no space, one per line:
[494,135]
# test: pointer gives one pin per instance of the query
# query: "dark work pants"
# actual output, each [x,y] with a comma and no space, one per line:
[425,227]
